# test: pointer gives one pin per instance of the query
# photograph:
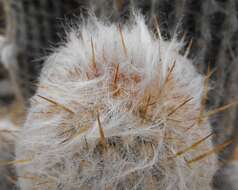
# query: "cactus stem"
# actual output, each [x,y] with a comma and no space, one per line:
[57,104]
[221,109]
[194,145]
[101,132]
[123,41]
[217,149]
[94,65]
[179,106]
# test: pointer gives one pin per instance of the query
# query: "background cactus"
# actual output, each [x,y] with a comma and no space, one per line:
[8,133]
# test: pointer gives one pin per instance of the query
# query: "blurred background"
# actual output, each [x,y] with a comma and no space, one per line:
[29,29]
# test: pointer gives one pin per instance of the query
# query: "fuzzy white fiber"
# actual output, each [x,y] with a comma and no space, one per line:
[116,109]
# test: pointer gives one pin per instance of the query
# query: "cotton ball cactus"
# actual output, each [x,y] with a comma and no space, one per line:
[116,108]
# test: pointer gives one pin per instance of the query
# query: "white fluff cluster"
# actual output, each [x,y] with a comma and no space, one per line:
[116,108]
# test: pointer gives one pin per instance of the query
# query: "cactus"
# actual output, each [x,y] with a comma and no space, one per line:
[227,176]
[6,90]
[117,108]
[8,132]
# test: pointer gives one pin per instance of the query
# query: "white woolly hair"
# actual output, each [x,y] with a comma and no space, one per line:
[116,108]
